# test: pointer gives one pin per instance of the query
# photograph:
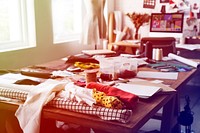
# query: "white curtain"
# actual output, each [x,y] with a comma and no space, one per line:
[94,26]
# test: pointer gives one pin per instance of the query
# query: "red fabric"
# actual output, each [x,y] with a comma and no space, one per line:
[171,2]
[127,98]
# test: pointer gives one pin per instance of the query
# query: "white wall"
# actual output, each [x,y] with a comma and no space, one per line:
[134,6]
[129,6]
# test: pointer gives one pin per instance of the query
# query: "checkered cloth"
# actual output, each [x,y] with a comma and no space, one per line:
[121,115]
[14,94]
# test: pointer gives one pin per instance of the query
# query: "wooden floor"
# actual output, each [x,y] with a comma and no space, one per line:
[192,89]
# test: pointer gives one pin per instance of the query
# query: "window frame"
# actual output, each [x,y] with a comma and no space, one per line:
[72,36]
[27,37]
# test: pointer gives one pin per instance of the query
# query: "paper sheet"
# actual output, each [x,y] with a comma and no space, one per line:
[158,75]
[118,20]
[10,78]
[165,88]
[142,91]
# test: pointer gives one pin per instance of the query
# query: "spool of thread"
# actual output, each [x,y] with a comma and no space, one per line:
[157,54]
[91,76]
[160,56]
[154,54]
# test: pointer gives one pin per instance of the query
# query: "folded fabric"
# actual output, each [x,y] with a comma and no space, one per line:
[80,94]
[128,99]
[107,101]
[120,115]
[81,58]
[28,114]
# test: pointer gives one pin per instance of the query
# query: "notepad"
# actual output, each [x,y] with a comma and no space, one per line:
[142,91]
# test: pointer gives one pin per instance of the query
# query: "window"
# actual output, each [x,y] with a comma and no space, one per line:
[17,27]
[67,21]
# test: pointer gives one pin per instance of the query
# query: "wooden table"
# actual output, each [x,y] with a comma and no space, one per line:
[124,46]
[145,110]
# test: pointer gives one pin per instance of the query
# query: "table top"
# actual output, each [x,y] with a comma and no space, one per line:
[142,112]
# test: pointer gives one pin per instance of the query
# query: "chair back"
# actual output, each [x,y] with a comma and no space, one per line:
[167,44]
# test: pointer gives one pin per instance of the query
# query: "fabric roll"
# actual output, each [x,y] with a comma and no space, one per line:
[111,26]
[184,60]
[128,99]
[118,20]
[119,35]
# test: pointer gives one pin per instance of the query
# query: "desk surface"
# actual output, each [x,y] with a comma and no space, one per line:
[144,110]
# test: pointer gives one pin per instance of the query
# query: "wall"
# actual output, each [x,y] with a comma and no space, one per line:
[134,5]
[129,6]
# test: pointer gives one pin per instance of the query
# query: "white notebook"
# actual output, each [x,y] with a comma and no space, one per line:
[142,91]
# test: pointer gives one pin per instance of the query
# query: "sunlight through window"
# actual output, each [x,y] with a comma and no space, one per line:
[67,20]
